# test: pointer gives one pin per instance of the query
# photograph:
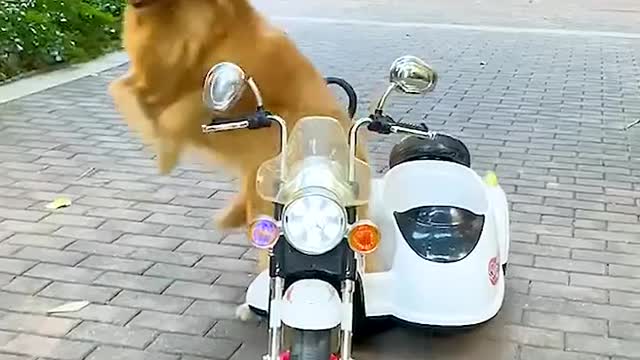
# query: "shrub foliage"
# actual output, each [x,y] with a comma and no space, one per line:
[37,34]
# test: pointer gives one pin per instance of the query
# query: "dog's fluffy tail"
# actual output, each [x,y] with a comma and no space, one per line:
[244,313]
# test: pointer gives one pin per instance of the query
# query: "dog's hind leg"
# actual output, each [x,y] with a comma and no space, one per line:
[235,214]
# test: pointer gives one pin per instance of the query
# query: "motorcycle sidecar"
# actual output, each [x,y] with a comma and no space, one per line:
[445,237]
[445,240]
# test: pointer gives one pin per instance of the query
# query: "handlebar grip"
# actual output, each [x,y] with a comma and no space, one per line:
[416,127]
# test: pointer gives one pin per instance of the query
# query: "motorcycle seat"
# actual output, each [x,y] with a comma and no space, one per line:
[440,147]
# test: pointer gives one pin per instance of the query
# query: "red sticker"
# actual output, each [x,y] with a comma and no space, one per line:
[494,271]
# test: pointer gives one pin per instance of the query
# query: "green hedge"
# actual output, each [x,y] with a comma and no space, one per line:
[39,34]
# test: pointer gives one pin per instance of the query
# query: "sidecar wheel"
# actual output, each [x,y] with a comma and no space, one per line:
[440,147]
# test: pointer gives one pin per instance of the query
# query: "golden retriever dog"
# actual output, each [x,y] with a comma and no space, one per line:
[171,45]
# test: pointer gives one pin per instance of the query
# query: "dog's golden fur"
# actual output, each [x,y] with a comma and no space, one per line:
[172,44]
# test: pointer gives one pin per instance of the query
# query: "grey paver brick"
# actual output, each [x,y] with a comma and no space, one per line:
[22,215]
[576,243]
[606,282]
[6,356]
[205,248]
[195,345]
[624,330]
[235,279]
[25,303]
[573,258]
[539,250]
[569,292]
[622,247]
[570,265]
[163,208]
[536,353]
[79,292]
[15,266]
[214,309]
[173,219]
[183,273]
[565,323]
[25,285]
[193,234]
[603,345]
[104,202]
[63,273]
[112,334]
[5,234]
[152,197]
[195,325]
[133,227]
[74,220]
[611,235]
[9,250]
[27,227]
[237,330]
[47,347]
[89,234]
[133,282]
[37,324]
[109,314]
[44,241]
[93,247]
[107,352]
[148,301]
[50,255]
[159,242]
[226,264]
[115,264]
[119,213]
[203,291]
[164,256]
[236,239]
[532,273]
[607,257]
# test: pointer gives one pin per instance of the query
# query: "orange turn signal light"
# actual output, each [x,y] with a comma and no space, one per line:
[364,237]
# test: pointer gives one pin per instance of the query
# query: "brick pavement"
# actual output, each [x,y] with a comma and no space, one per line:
[545,112]
[589,15]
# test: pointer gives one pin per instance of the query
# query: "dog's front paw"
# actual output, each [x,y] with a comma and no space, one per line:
[244,313]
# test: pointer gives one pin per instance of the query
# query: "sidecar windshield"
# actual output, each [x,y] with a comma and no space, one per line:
[317,155]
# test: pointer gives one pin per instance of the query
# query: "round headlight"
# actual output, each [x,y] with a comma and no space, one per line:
[314,224]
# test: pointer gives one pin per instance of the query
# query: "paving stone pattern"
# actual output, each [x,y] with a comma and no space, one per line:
[545,112]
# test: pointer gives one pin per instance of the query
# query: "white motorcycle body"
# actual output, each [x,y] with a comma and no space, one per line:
[405,285]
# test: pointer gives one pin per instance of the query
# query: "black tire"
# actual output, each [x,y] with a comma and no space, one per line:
[440,147]
[311,345]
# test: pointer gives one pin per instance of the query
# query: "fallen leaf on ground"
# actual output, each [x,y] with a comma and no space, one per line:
[58,203]
[69,307]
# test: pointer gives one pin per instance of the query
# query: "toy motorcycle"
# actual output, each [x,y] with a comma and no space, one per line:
[438,231]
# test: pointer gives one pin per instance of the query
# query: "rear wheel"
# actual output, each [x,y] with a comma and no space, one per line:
[311,345]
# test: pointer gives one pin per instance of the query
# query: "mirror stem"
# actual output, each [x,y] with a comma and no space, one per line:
[384,97]
[283,144]
[353,146]
[256,92]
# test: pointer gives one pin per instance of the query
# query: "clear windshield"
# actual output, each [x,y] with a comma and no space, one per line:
[317,156]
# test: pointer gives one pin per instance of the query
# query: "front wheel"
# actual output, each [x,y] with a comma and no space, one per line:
[311,345]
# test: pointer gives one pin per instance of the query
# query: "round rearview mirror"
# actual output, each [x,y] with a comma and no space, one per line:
[411,75]
[223,86]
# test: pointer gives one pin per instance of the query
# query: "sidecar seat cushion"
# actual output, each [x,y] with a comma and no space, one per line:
[441,147]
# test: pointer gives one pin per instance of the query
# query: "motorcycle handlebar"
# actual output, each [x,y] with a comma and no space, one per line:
[261,119]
